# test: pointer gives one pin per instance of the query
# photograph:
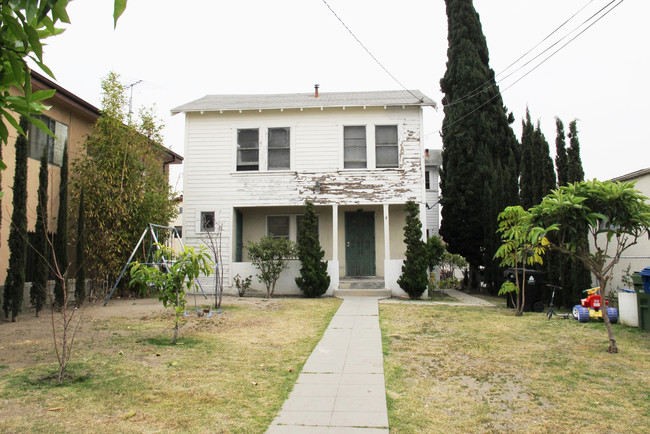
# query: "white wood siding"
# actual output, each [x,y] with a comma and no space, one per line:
[432,197]
[211,182]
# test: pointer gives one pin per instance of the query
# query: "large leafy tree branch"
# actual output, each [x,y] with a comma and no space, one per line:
[25,25]
[614,214]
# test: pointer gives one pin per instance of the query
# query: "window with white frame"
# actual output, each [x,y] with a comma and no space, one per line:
[279,148]
[354,147]
[248,149]
[386,146]
[427,180]
[207,221]
[39,140]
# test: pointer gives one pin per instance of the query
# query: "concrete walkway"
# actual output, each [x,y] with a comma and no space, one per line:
[467,299]
[463,300]
[341,387]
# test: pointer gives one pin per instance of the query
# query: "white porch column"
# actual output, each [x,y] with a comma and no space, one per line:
[386,245]
[335,233]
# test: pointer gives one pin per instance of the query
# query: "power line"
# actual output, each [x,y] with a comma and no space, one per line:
[543,61]
[547,36]
[370,54]
[488,84]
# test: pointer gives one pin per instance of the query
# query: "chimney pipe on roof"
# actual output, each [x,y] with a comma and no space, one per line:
[316,86]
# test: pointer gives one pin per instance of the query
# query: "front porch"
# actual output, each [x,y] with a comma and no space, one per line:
[362,244]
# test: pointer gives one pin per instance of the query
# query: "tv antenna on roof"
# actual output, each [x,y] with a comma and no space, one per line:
[130,87]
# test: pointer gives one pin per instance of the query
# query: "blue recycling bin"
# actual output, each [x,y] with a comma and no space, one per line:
[645,278]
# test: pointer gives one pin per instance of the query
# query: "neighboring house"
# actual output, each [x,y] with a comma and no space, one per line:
[636,257]
[71,119]
[432,163]
[253,160]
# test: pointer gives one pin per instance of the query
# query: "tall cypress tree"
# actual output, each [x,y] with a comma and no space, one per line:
[571,275]
[537,174]
[61,240]
[575,173]
[15,280]
[80,259]
[546,180]
[561,158]
[414,278]
[527,178]
[577,277]
[313,280]
[479,171]
[38,291]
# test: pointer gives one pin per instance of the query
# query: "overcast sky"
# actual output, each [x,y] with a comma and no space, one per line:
[184,50]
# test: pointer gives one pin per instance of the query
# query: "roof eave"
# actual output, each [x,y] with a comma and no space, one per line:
[257,109]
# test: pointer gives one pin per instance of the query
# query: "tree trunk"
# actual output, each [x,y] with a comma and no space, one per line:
[175,331]
[178,302]
[608,325]
[523,291]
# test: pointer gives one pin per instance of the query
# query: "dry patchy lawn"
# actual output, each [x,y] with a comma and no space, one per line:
[474,369]
[230,373]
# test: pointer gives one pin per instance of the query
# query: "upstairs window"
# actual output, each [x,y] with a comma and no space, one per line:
[248,149]
[39,140]
[277,226]
[354,147]
[427,180]
[386,146]
[279,148]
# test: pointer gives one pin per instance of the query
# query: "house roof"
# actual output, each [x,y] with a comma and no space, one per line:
[40,82]
[632,175]
[391,98]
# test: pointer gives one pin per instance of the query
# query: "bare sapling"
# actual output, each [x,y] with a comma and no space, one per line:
[212,240]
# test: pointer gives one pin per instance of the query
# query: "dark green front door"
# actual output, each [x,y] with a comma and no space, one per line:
[360,243]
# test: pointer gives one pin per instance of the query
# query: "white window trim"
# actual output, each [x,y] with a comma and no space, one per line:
[371,156]
[198,226]
[263,156]
[374,150]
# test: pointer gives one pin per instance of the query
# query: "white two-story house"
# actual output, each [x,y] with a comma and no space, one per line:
[251,162]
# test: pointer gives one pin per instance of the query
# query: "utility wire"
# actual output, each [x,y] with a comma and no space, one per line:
[420,99]
[547,36]
[540,63]
[488,84]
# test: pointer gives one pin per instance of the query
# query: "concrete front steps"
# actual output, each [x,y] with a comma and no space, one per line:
[362,287]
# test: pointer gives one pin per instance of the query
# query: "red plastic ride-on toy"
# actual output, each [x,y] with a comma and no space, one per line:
[591,308]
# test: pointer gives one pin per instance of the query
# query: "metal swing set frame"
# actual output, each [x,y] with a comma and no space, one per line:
[154,231]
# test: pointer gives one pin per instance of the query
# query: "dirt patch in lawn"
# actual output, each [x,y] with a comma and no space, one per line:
[228,373]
